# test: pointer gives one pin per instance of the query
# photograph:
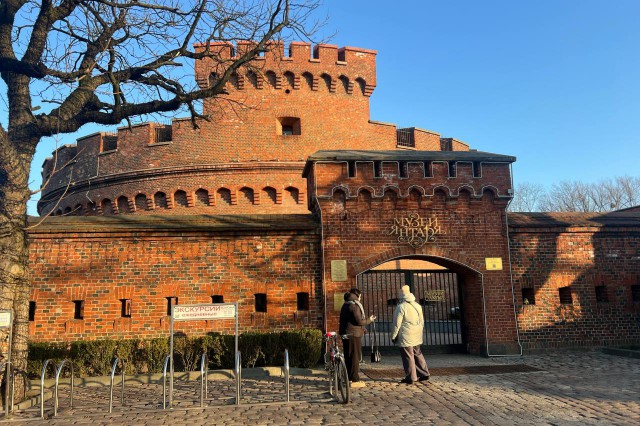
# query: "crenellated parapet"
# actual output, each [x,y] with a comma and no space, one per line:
[323,67]
[407,174]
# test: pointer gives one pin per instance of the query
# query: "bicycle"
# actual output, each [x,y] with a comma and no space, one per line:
[334,363]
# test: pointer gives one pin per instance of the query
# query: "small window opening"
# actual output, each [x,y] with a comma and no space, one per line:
[171,301]
[428,172]
[288,126]
[261,302]
[78,309]
[377,169]
[303,301]
[32,311]
[109,143]
[601,294]
[635,293]
[404,169]
[476,169]
[351,168]
[528,296]
[565,295]
[217,298]
[125,308]
[452,169]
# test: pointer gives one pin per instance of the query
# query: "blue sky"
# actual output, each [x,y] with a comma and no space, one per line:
[554,83]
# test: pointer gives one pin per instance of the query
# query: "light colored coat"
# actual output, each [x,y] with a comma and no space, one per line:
[408,322]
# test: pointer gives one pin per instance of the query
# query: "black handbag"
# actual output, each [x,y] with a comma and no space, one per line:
[375,353]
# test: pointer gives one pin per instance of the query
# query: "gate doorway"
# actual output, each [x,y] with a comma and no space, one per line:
[439,293]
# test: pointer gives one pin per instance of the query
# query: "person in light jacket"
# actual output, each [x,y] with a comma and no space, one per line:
[408,328]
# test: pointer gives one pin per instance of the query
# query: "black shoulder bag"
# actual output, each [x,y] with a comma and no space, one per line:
[375,353]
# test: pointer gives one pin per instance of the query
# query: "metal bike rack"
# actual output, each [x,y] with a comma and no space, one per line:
[113,373]
[25,377]
[44,371]
[204,383]
[286,374]
[55,401]
[164,381]
[238,371]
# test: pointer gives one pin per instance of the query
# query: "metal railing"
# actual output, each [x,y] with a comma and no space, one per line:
[164,381]
[204,383]
[113,373]
[238,371]
[55,392]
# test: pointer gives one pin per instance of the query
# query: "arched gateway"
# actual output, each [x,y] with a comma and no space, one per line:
[434,220]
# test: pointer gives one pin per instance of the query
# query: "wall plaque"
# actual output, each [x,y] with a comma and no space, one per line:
[493,263]
[339,270]
[415,230]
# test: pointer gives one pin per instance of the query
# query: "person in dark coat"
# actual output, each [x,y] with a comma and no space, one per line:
[352,323]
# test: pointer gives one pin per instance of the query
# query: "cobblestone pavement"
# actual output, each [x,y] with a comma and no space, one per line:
[571,388]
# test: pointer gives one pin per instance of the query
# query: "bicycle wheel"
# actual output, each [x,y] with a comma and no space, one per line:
[343,390]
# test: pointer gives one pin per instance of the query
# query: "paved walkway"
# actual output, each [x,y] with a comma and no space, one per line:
[569,388]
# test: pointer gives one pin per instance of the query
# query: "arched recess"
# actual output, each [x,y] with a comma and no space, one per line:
[180,199]
[390,198]
[364,199]
[246,196]
[271,79]
[326,78]
[344,83]
[289,80]
[202,197]
[270,195]
[252,78]
[106,206]
[291,195]
[415,198]
[123,205]
[77,210]
[308,81]
[449,291]
[160,200]
[224,196]
[141,202]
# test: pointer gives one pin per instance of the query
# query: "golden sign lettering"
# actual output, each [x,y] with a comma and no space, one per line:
[415,230]
[434,295]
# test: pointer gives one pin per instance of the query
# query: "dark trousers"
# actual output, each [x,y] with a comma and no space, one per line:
[352,355]
[413,362]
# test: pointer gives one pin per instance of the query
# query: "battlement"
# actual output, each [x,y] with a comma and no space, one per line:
[325,62]
[424,173]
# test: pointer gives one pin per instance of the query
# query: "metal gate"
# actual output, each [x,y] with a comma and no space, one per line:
[437,292]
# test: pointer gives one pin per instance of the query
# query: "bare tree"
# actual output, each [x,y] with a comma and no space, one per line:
[527,197]
[575,196]
[66,63]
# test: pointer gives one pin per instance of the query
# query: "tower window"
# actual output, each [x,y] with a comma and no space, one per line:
[261,302]
[565,295]
[78,309]
[288,126]
[125,308]
[528,296]
[303,301]
[171,301]
[32,310]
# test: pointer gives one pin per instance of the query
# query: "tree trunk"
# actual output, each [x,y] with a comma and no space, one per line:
[14,253]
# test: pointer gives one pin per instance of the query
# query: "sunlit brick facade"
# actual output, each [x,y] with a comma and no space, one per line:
[291,176]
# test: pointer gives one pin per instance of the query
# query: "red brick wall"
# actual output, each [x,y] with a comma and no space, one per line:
[191,258]
[546,257]
[240,146]
[356,229]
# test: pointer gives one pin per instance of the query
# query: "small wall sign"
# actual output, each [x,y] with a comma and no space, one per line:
[339,271]
[493,263]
